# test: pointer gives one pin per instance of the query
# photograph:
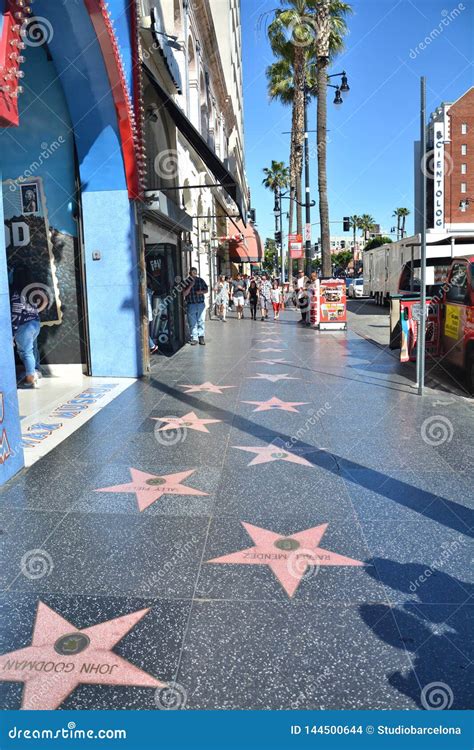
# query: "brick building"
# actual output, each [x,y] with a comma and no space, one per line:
[449,164]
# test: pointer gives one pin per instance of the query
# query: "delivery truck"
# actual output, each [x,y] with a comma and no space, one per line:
[383,265]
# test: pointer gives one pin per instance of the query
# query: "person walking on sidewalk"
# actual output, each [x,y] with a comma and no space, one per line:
[222,297]
[253,298]
[238,293]
[26,325]
[264,295]
[196,306]
[276,298]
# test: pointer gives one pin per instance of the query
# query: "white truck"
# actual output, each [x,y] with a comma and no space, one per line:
[383,265]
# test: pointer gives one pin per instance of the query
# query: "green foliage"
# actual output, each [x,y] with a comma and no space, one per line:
[342,259]
[270,258]
[377,242]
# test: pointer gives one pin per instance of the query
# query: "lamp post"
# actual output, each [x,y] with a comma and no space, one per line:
[420,348]
[307,187]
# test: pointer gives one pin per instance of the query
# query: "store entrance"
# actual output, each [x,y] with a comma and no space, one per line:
[164,282]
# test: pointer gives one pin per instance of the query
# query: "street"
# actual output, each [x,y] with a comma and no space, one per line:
[277,520]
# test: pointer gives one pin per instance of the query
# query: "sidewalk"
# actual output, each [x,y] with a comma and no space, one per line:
[276,519]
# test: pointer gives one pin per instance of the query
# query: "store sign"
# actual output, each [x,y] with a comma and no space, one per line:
[438,176]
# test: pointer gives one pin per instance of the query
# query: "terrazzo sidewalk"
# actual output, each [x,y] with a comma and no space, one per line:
[273,521]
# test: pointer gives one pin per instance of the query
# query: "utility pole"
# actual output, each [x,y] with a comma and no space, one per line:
[307,186]
[282,243]
[420,349]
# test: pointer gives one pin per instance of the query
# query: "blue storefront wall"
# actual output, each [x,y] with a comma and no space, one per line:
[108,215]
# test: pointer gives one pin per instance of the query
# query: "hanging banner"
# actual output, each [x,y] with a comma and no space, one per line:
[295,246]
[28,243]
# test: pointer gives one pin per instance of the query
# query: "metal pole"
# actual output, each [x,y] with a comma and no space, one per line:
[307,185]
[282,243]
[420,350]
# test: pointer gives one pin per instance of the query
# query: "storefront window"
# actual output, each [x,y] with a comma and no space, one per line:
[164,280]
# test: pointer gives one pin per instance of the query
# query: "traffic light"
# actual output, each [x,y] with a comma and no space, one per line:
[278,238]
[346,223]
[252,215]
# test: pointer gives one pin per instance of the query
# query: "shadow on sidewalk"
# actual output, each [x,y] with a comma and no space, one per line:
[439,509]
[435,636]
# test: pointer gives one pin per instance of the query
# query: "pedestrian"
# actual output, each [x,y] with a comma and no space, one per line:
[222,297]
[264,295]
[303,303]
[253,298]
[229,283]
[194,293]
[238,294]
[276,298]
[26,325]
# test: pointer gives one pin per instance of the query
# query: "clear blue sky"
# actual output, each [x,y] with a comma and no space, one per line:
[370,154]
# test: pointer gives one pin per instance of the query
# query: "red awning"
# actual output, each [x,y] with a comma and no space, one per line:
[246,250]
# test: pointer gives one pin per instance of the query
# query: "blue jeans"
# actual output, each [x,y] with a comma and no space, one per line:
[196,319]
[26,343]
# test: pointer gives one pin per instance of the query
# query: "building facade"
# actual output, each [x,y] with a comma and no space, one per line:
[449,166]
[118,173]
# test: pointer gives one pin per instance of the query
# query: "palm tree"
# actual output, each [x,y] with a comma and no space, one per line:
[354,223]
[401,214]
[366,224]
[295,38]
[331,28]
[276,178]
[281,86]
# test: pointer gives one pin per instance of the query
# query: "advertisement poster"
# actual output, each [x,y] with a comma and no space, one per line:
[332,304]
[452,322]
[28,242]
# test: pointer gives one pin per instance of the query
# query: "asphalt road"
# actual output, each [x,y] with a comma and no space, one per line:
[372,323]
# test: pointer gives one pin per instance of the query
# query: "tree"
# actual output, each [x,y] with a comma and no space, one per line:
[276,178]
[354,223]
[401,215]
[305,35]
[341,260]
[377,241]
[331,28]
[366,224]
[270,258]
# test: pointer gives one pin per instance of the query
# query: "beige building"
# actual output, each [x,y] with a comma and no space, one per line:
[192,122]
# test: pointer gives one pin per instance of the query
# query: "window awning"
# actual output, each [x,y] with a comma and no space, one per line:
[244,249]
[200,146]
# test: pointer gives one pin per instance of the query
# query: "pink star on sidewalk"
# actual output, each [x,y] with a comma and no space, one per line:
[149,487]
[190,420]
[289,557]
[271,361]
[276,451]
[206,387]
[276,403]
[271,378]
[61,657]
